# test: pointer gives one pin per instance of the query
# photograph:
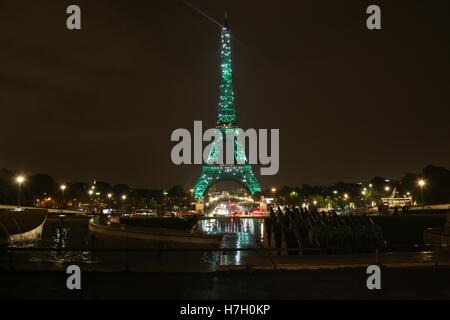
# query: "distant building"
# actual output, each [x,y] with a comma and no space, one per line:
[394,201]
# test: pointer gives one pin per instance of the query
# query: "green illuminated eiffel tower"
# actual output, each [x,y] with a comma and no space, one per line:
[241,172]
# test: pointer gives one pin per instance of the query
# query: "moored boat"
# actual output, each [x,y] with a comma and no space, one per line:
[21,224]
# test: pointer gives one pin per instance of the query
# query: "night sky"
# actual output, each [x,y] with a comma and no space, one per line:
[101,103]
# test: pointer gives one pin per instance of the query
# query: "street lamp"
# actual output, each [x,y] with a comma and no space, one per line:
[124,197]
[387,188]
[273,194]
[91,192]
[422,183]
[63,187]
[109,195]
[19,180]
[363,193]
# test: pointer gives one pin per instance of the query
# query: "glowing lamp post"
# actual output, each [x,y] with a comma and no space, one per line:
[109,195]
[273,194]
[421,184]
[363,193]
[91,192]
[63,188]
[124,197]
[19,180]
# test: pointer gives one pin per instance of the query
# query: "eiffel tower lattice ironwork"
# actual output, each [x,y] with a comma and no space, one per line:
[240,172]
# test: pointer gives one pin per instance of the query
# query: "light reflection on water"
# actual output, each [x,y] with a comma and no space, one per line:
[238,233]
[74,233]
[57,233]
[255,226]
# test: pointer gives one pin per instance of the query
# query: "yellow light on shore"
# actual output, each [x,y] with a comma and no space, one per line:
[110,195]
[20,179]
[421,182]
[63,187]
[124,197]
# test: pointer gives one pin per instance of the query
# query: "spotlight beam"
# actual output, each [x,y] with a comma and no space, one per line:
[190,5]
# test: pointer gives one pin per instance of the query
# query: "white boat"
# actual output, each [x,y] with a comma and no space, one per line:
[21,225]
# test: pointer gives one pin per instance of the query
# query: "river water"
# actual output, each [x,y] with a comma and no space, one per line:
[69,232]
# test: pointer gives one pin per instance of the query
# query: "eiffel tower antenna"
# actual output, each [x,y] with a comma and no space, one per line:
[226,20]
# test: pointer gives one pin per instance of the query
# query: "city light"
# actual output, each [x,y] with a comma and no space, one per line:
[387,188]
[422,183]
[109,195]
[19,180]
[63,187]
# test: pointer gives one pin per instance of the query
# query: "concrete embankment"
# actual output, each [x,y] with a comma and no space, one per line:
[49,210]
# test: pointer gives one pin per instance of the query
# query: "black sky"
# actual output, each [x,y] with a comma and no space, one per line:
[101,103]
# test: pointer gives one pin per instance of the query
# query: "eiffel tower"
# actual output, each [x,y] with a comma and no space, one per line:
[240,172]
